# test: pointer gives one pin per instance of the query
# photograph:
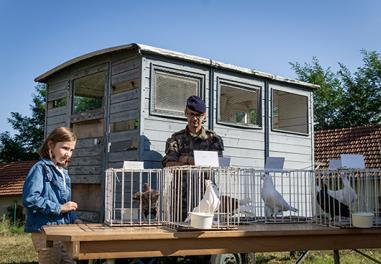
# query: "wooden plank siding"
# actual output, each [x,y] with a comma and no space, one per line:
[124,110]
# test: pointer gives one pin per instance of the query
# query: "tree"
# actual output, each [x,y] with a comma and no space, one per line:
[24,144]
[363,91]
[345,99]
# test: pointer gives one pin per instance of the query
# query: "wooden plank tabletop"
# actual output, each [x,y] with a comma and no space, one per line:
[92,241]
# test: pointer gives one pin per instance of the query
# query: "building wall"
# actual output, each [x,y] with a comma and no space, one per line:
[9,200]
[127,129]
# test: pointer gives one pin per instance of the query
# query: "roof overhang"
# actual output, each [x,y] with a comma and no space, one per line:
[145,49]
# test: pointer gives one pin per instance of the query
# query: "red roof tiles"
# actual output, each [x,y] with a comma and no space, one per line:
[366,140]
[12,176]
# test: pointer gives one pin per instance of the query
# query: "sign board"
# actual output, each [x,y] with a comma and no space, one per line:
[205,158]
[274,163]
[352,161]
[133,165]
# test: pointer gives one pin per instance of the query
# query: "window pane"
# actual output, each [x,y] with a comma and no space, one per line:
[289,112]
[88,92]
[238,105]
[60,102]
[171,91]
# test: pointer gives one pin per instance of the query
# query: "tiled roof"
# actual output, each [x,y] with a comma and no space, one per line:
[366,140]
[12,176]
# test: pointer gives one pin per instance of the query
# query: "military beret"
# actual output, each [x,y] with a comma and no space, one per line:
[196,104]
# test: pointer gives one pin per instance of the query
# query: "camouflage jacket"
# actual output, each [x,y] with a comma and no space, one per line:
[183,143]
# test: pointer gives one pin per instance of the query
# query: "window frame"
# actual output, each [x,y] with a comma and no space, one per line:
[100,109]
[177,72]
[286,131]
[241,86]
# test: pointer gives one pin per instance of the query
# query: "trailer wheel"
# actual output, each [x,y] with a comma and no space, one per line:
[226,259]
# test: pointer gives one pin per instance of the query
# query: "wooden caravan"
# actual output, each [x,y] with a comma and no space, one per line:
[124,102]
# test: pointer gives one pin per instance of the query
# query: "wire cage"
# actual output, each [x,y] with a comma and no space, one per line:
[348,197]
[284,196]
[133,197]
[207,192]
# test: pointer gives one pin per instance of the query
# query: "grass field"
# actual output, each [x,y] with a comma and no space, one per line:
[16,247]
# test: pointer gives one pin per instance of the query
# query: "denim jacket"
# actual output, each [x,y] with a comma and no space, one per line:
[43,194]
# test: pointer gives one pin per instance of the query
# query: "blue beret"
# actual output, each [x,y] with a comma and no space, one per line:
[196,104]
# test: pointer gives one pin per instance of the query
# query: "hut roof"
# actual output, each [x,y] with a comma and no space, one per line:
[12,176]
[145,49]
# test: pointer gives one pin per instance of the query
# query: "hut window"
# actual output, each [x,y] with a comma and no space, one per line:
[238,104]
[60,102]
[88,92]
[289,112]
[170,90]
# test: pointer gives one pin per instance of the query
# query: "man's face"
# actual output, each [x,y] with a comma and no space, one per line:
[195,119]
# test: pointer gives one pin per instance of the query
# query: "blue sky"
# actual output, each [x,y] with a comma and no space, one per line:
[263,35]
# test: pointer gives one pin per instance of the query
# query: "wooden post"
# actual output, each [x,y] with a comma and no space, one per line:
[336,256]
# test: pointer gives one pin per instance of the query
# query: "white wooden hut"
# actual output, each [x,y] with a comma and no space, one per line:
[124,102]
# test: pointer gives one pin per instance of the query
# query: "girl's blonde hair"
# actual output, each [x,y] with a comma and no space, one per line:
[59,134]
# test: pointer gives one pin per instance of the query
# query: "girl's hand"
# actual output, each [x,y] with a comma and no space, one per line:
[69,206]
[78,221]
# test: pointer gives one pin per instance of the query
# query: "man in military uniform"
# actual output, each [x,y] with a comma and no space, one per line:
[180,146]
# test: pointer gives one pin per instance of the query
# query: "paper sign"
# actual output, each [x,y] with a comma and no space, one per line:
[352,161]
[205,158]
[274,163]
[133,165]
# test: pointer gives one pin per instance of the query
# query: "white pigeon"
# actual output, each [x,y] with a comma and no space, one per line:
[210,201]
[346,195]
[274,201]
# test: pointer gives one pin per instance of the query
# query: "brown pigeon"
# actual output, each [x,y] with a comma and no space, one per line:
[149,200]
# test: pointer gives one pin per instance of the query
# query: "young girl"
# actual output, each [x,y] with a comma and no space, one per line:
[47,193]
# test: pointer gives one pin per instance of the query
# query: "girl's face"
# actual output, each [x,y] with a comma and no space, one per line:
[61,152]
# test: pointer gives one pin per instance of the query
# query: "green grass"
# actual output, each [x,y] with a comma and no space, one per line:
[15,245]
[318,257]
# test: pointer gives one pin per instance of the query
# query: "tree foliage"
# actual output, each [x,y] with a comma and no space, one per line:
[30,131]
[345,99]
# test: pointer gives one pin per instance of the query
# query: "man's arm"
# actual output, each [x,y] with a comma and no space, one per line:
[172,155]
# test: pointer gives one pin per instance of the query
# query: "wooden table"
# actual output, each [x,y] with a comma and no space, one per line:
[95,241]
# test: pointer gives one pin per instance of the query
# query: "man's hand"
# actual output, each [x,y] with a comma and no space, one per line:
[186,160]
[69,206]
